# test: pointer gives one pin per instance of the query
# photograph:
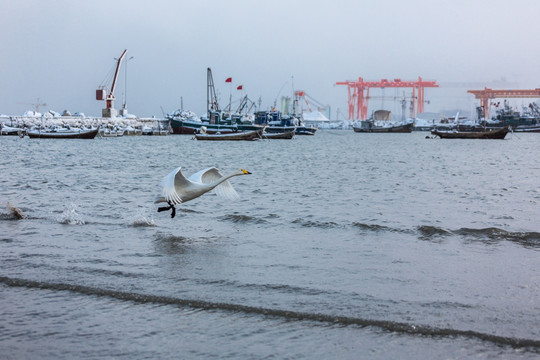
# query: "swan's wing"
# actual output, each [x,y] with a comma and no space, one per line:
[175,179]
[226,190]
[212,174]
[206,176]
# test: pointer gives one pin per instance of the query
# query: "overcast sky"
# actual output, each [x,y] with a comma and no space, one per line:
[60,50]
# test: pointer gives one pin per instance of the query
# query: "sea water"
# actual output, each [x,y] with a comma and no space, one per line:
[342,245]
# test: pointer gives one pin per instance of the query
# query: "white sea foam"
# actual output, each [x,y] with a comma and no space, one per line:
[70,216]
[143,222]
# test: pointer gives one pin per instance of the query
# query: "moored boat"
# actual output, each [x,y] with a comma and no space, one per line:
[131,131]
[276,122]
[62,133]
[527,128]
[245,135]
[107,132]
[369,126]
[8,130]
[216,121]
[216,124]
[486,134]
[281,135]
[305,130]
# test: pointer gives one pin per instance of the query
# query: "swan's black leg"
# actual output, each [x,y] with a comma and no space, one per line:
[170,207]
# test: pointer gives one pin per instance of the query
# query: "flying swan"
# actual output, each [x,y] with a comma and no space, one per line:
[176,189]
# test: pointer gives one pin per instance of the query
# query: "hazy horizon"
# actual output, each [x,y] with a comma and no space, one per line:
[60,51]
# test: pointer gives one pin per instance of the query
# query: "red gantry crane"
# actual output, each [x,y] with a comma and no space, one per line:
[359,101]
[487,94]
[110,111]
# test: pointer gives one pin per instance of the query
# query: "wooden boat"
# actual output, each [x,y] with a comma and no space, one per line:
[486,134]
[246,135]
[62,133]
[368,126]
[282,135]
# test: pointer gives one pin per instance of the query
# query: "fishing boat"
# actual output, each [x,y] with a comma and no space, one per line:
[276,122]
[217,120]
[527,128]
[114,132]
[303,129]
[281,135]
[62,133]
[526,120]
[485,134]
[381,122]
[369,126]
[245,135]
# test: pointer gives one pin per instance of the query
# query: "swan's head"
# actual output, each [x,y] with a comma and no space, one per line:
[244,172]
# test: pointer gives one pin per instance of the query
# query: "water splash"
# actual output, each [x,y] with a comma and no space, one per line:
[70,216]
[14,213]
[143,222]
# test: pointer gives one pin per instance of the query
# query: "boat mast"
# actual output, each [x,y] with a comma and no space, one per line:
[211,98]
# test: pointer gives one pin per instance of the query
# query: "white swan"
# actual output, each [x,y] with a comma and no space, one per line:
[176,189]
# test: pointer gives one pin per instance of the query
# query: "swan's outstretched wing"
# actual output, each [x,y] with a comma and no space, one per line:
[175,179]
[206,176]
[212,174]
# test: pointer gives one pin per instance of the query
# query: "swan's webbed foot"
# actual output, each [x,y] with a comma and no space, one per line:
[170,207]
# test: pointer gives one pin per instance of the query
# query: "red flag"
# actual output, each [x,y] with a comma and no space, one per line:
[239,87]
[228,80]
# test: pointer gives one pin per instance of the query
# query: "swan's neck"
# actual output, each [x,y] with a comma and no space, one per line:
[223,179]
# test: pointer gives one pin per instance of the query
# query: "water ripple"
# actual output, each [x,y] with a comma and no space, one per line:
[393,326]
[238,218]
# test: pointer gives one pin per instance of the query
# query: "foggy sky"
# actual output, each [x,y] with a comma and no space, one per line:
[60,51]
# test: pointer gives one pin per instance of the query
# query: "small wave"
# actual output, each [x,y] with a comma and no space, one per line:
[316,224]
[70,216]
[432,232]
[490,235]
[393,326]
[237,218]
[529,239]
[171,238]
[377,228]
[187,210]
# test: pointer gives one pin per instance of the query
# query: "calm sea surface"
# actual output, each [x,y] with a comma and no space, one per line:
[342,246]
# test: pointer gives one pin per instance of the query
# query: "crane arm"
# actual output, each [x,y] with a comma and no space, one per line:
[111,94]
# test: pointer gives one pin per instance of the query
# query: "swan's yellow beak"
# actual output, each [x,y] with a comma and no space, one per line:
[246,172]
